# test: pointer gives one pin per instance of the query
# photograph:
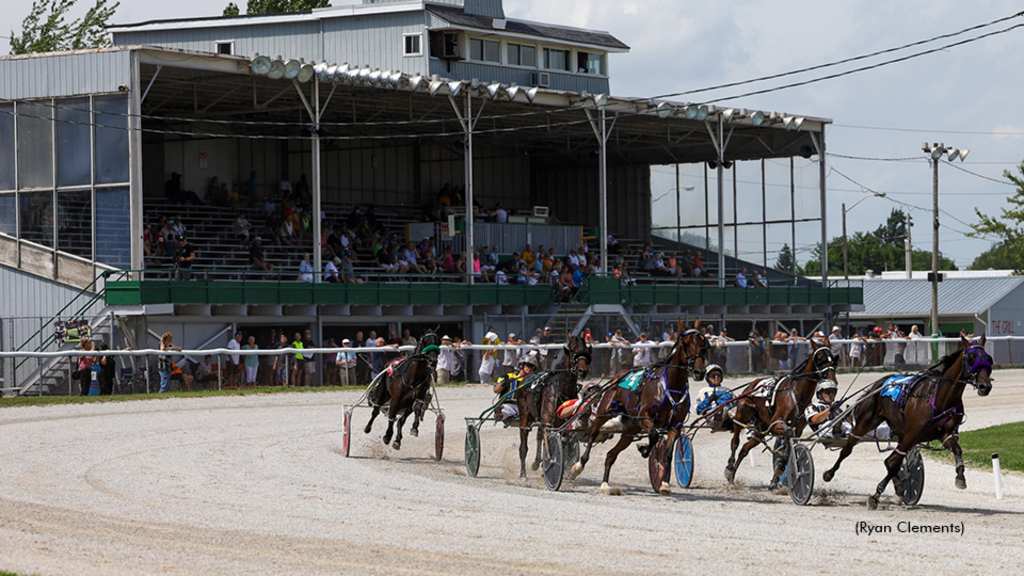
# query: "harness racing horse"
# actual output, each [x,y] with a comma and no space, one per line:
[661,403]
[933,410]
[793,393]
[405,387]
[554,388]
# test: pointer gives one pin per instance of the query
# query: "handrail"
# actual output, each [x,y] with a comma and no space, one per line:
[59,313]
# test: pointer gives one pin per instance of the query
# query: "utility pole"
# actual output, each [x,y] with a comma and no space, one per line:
[910,248]
[846,263]
[936,152]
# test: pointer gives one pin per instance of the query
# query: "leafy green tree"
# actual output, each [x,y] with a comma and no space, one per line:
[46,29]
[276,6]
[1009,253]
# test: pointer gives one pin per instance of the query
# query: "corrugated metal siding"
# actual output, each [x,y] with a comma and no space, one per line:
[957,296]
[376,40]
[290,40]
[521,76]
[490,8]
[26,295]
[64,74]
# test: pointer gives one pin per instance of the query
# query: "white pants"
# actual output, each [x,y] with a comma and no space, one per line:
[250,374]
[509,410]
[486,369]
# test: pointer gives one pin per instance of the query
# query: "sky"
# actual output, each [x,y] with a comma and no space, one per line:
[965,97]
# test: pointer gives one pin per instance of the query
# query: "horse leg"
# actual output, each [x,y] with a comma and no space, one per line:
[730,472]
[624,441]
[831,472]
[540,445]
[373,416]
[524,448]
[666,481]
[780,458]
[401,422]
[892,467]
[953,441]
[391,429]
[595,431]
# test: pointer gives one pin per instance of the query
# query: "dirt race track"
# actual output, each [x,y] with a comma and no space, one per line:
[258,485]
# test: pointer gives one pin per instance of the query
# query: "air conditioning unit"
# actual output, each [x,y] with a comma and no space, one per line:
[450,46]
[542,79]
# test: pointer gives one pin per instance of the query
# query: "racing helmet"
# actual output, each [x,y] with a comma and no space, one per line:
[824,386]
[531,361]
[713,368]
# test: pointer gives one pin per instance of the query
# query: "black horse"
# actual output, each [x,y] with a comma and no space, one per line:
[539,401]
[405,389]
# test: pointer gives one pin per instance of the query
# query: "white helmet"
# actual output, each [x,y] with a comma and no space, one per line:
[825,385]
[713,367]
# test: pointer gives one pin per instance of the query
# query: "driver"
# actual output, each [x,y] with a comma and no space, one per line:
[713,395]
[823,407]
[512,382]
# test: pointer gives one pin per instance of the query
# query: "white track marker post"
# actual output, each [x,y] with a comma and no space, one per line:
[997,474]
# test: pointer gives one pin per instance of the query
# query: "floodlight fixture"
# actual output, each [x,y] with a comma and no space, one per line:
[938,152]
[793,122]
[511,92]
[474,83]
[291,68]
[664,110]
[600,100]
[455,87]
[364,74]
[374,77]
[261,65]
[276,70]
[531,94]
[728,114]
[341,75]
[435,87]
[756,118]
[320,70]
[697,112]
[494,89]
[396,78]
[306,73]
[963,154]
[415,82]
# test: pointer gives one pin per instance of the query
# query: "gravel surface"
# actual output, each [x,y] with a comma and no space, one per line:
[258,485]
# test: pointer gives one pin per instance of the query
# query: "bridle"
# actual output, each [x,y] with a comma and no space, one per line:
[976,360]
[691,359]
[584,353]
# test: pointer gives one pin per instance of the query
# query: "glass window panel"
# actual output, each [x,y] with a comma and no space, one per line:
[73,147]
[529,56]
[476,49]
[492,51]
[8,214]
[35,145]
[113,232]
[595,63]
[513,54]
[74,222]
[111,139]
[556,59]
[6,146]
[36,215]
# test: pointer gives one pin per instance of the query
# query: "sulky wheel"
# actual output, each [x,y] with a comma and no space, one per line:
[472,449]
[553,461]
[439,437]
[684,461]
[657,463]
[570,450]
[911,476]
[346,439]
[801,473]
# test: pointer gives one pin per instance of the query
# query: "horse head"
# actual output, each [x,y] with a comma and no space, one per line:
[579,354]
[692,345]
[978,362]
[430,346]
[822,362]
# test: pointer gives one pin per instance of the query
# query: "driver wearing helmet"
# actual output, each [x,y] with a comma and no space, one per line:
[713,395]
[509,385]
[823,407]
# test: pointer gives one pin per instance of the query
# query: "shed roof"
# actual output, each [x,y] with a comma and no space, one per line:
[913,298]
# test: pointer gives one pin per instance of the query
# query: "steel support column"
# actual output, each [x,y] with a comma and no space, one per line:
[135,217]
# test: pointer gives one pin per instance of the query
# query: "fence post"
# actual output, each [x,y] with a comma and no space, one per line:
[220,371]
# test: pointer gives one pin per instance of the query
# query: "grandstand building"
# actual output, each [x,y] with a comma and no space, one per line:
[382,104]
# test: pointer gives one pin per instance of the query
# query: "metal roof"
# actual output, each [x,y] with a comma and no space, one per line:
[957,296]
[458,17]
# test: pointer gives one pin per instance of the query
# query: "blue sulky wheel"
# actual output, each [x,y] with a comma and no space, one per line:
[684,461]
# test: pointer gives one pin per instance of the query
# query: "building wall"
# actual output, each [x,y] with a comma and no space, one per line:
[1006,318]
[29,302]
[288,39]
[521,76]
[64,74]
[377,40]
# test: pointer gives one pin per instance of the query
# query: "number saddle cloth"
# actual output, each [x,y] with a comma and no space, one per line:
[898,387]
[766,391]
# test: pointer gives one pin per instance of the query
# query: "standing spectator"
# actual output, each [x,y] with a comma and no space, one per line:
[257,259]
[163,362]
[252,362]
[241,227]
[460,360]
[330,365]
[899,347]
[857,349]
[346,362]
[642,356]
[279,369]
[250,186]
[379,360]
[409,340]
[757,351]
[546,359]
[511,355]
[85,363]
[108,369]
[305,270]
[308,344]
[445,361]
[184,256]
[362,367]
[489,362]
[836,346]
[299,369]
[371,342]
[234,364]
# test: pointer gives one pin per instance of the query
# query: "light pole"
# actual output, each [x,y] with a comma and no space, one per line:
[935,153]
[846,264]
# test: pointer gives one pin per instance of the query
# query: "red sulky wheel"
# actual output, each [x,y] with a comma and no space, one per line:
[439,438]
[346,440]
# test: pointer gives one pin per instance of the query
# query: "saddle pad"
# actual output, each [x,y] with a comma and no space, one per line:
[632,381]
[894,385]
[766,389]
[393,365]
[537,381]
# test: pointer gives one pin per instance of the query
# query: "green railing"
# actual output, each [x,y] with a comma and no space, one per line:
[234,287]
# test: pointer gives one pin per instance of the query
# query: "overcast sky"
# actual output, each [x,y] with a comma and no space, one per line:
[961,97]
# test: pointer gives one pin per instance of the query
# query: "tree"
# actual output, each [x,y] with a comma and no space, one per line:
[45,28]
[785,261]
[1009,253]
[276,6]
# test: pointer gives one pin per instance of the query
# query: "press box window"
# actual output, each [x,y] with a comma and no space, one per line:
[556,59]
[520,55]
[225,47]
[590,63]
[412,45]
[484,50]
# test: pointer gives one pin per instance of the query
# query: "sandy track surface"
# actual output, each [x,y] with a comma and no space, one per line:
[258,485]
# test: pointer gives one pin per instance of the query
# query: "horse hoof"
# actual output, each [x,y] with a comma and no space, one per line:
[872,504]
[730,474]
[665,489]
[961,483]
[610,490]
[415,432]
[387,440]
[828,475]
[535,466]
[897,500]
[397,445]
[366,430]
[577,469]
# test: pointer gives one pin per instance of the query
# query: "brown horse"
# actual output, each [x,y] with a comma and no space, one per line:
[661,404]
[557,386]
[406,389]
[793,393]
[934,410]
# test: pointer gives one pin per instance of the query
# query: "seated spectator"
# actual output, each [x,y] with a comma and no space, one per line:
[257,259]
[460,265]
[388,263]
[741,278]
[566,287]
[178,226]
[499,215]
[241,228]
[448,261]
[685,264]
[760,279]
[348,273]
[410,257]
[579,278]
[331,273]
[697,266]
[672,265]
[613,246]
[574,259]
[287,235]
[547,263]
[658,267]
[305,270]
[646,254]
[500,278]
[528,256]
[148,239]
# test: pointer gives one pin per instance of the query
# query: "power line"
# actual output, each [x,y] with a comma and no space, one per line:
[962,169]
[934,131]
[844,61]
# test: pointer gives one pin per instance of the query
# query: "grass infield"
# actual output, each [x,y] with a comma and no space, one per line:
[978,446]
[62,400]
